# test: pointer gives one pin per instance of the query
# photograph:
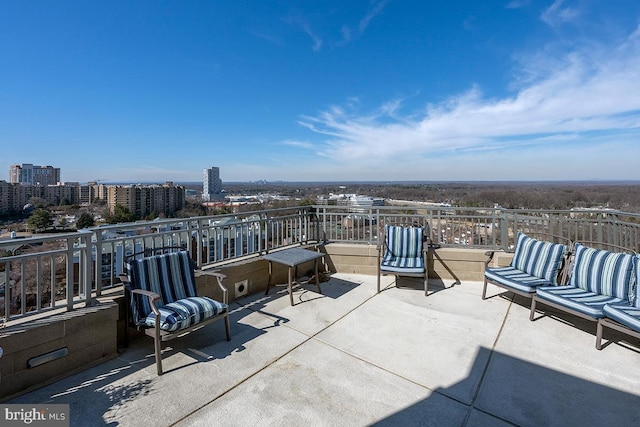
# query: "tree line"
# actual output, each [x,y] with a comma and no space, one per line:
[511,195]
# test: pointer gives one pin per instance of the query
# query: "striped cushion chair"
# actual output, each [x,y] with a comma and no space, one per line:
[623,317]
[535,263]
[163,298]
[405,253]
[598,277]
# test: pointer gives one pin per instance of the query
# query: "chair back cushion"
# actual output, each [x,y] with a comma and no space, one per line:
[403,249]
[538,258]
[602,272]
[404,242]
[170,275]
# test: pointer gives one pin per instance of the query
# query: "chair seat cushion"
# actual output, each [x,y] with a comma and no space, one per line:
[512,278]
[185,312]
[624,314]
[413,265]
[578,299]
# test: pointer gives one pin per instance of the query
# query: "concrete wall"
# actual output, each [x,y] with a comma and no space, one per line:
[443,263]
[89,335]
[254,271]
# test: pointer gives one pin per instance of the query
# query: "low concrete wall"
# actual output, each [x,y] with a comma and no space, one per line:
[89,336]
[443,263]
[255,271]
[352,258]
[457,264]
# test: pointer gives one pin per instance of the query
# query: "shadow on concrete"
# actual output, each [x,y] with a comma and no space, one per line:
[108,388]
[512,391]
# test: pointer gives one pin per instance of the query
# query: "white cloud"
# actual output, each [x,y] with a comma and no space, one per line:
[300,144]
[587,94]
[302,23]
[517,4]
[376,9]
[557,14]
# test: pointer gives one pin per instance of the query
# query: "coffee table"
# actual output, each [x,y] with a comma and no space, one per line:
[292,258]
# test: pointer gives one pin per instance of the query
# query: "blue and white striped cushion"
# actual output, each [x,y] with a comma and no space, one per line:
[634,295]
[511,277]
[185,312]
[169,275]
[403,250]
[624,314]
[538,258]
[578,299]
[602,272]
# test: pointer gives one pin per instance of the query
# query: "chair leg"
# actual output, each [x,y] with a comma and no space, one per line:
[227,326]
[533,308]
[378,281]
[158,347]
[484,289]
[426,286]
[599,335]
[317,277]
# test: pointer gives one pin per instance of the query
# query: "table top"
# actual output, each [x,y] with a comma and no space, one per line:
[293,256]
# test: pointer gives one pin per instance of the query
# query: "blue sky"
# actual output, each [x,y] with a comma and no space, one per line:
[322,90]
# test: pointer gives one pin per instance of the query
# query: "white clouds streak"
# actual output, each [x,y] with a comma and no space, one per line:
[376,9]
[587,92]
[556,14]
[517,4]
[302,23]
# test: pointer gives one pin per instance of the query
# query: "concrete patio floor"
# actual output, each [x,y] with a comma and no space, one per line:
[353,357]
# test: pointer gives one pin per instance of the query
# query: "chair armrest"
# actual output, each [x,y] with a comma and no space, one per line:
[210,273]
[219,278]
[489,255]
[153,297]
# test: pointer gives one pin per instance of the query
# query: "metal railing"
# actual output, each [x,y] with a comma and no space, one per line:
[47,272]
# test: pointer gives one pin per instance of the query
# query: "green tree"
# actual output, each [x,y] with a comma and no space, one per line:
[120,214]
[85,220]
[38,202]
[62,223]
[40,219]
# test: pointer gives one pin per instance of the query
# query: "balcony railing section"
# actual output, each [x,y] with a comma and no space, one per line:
[45,272]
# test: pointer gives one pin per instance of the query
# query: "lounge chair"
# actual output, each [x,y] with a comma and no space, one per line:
[161,290]
[403,252]
[598,278]
[623,317]
[535,263]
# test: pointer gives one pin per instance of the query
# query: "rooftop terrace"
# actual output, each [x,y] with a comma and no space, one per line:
[354,357]
[349,356]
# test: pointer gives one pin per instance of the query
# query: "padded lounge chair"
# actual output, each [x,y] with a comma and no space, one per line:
[405,253]
[535,263]
[161,290]
[623,317]
[598,277]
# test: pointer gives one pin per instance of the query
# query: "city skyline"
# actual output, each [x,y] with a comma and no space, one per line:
[363,91]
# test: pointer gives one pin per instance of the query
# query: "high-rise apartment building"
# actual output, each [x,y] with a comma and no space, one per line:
[212,185]
[27,173]
[143,200]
